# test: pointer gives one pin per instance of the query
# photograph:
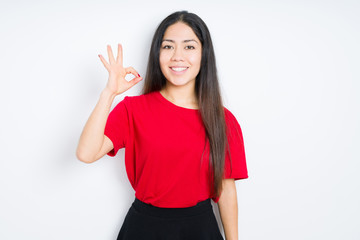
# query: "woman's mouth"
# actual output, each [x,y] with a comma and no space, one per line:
[178,70]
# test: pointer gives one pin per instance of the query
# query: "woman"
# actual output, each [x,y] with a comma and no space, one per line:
[182,146]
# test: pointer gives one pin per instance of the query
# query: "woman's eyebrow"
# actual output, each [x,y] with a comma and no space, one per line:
[185,41]
[190,40]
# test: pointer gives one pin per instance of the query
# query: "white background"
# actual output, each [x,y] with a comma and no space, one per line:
[289,72]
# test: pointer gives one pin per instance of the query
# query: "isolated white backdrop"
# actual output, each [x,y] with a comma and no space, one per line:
[288,72]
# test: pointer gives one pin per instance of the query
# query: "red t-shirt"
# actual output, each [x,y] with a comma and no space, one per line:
[164,144]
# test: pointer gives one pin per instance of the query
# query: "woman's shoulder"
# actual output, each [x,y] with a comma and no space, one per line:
[143,95]
[139,102]
[228,114]
[139,98]
[231,119]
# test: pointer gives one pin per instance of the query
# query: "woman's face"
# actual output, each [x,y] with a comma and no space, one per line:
[180,55]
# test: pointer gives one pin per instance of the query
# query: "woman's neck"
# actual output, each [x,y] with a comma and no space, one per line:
[181,96]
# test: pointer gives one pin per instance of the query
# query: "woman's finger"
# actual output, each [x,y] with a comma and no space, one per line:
[106,65]
[132,71]
[119,58]
[110,53]
[135,80]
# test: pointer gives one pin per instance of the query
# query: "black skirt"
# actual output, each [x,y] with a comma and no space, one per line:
[147,222]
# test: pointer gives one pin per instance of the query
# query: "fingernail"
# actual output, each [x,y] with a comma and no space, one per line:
[139,75]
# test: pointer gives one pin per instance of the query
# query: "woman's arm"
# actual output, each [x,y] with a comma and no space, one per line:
[229,209]
[93,144]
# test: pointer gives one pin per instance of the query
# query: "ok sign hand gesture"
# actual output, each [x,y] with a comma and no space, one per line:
[117,83]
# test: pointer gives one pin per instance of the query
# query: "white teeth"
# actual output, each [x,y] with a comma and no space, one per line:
[179,69]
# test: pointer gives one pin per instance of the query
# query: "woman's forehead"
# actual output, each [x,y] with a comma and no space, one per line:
[180,32]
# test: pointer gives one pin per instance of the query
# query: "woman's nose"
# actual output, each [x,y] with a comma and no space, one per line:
[177,55]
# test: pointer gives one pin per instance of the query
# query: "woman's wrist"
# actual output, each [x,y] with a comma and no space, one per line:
[108,94]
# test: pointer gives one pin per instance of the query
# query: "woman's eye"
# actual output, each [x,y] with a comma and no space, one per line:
[167,47]
[190,47]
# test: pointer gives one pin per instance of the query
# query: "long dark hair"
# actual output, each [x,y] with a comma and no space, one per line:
[207,90]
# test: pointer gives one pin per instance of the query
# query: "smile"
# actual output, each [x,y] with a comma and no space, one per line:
[178,69]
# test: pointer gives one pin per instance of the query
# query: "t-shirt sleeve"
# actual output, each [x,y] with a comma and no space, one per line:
[235,162]
[117,126]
